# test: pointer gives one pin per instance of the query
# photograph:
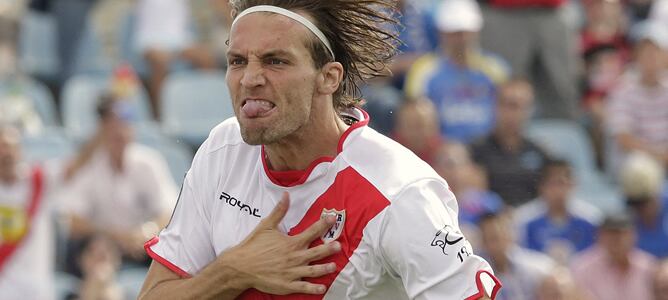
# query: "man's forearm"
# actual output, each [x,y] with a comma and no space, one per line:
[212,283]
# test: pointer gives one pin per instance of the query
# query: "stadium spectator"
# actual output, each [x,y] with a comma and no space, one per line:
[26,246]
[642,183]
[163,35]
[460,79]
[638,108]
[71,22]
[534,38]
[417,129]
[414,36]
[99,261]
[212,20]
[560,285]
[511,161]
[453,162]
[555,223]
[606,25]
[10,16]
[661,282]
[604,66]
[118,188]
[521,270]
[614,269]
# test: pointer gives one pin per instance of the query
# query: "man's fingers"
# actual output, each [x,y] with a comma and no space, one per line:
[304,287]
[277,214]
[321,251]
[316,230]
[314,271]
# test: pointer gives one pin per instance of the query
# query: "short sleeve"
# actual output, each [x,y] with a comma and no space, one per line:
[421,243]
[184,246]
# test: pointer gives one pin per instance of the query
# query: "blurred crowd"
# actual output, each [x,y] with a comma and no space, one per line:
[548,118]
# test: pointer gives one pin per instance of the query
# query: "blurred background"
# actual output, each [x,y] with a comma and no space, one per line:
[548,118]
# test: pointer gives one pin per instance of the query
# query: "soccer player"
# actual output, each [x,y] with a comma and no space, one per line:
[296,198]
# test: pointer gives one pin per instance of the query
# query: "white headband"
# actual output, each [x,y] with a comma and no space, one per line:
[291,15]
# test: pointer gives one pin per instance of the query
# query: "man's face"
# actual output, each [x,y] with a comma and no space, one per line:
[496,236]
[514,107]
[618,243]
[9,152]
[271,77]
[557,186]
[459,41]
[118,134]
[417,124]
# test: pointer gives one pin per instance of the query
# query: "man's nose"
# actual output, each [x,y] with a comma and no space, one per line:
[253,75]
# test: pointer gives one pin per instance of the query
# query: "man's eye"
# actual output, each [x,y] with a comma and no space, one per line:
[275,61]
[236,61]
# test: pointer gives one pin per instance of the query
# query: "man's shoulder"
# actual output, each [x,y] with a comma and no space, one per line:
[386,164]
[224,134]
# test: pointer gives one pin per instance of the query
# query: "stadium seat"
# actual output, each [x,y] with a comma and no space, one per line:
[38,93]
[569,141]
[37,45]
[178,156]
[80,98]
[50,144]
[131,281]
[66,285]
[193,103]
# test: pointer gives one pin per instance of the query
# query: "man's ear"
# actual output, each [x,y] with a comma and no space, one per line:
[330,78]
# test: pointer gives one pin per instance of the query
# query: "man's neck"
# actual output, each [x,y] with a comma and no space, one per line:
[319,138]
[458,57]
[508,140]
[558,214]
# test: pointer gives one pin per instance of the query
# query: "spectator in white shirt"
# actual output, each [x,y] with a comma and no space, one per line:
[638,107]
[118,188]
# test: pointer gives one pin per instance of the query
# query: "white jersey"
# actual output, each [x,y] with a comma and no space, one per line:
[396,218]
[27,273]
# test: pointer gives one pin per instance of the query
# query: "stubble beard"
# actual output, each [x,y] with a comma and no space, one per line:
[275,132]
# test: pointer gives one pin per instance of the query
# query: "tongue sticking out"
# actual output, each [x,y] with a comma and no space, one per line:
[256,108]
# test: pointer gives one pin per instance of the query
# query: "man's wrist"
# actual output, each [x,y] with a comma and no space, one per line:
[232,276]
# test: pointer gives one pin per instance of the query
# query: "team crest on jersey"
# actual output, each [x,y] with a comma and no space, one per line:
[333,233]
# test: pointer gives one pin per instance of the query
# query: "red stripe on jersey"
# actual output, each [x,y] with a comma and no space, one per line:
[361,201]
[481,289]
[163,261]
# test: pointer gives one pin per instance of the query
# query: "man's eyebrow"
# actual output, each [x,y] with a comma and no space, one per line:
[268,53]
[277,52]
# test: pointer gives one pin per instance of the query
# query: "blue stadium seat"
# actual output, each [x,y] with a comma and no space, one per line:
[50,144]
[79,101]
[37,45]
[66,285]
[178,156]
[569,141]
[38,93]
[193,103]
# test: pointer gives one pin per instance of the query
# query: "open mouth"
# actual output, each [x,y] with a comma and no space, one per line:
[257,108]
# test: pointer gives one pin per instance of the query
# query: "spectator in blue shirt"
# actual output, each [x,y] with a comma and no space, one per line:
[555,223]
[460,79]
[642,178]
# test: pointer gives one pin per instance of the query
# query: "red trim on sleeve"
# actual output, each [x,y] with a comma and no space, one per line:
[481,288]
[162,260]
